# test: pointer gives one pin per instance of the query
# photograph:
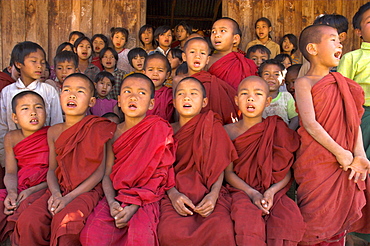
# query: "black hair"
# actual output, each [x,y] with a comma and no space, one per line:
[203,89]
[62,46]
[134,53]
[264,19]
[236,28]
[79,40]
[78,33]
[182,69]
[114,52]
[122,30]
[160,31]
[292,39]
[357,18]
[47,65]
[194,39]
[176,53]
[84,77]
[293,67]
[23,49]
[104,74]
[270,62]
[110,114]
[103,37]
[311,34]
[281,57]
[258,47]
[22,94]
[143,29]
[187,28]
[141,76]
[339,22]
[158,55]
[66,56]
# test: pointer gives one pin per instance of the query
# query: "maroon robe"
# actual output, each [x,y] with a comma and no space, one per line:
[163,104]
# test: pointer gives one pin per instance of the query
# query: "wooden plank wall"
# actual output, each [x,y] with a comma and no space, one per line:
[48,22]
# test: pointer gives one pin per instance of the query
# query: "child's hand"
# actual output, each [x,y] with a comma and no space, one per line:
[207,205]
[57,203]
[115,208]
[10,203]
[24,194]
[345,159]
[359,167]
[268,199]
[179,201]
[122,218]
[257,199]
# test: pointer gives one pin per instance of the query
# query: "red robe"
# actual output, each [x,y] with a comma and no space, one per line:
[80,151]
[204,151]
[32,155]
[233,68]
[329,202]
[266,153]
[163,104]
[5,80]
[141,174]
[220,96]
[96,61]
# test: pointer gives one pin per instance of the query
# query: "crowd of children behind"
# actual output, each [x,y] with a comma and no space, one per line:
[188,140]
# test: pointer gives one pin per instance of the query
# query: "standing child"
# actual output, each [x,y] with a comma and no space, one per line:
[146,38]
[182,32]
[330,109]
[262,213]
[139,171]
[158,69]
[119,39]
[76,167]
[83,49]
[174,56]
[65,63]
[136,57]
[196,210]
[282,103]
[99,42]
[163,40]
[291,76]
[26,159]
[289,45]
[104,82]
[258,53]
[263,33]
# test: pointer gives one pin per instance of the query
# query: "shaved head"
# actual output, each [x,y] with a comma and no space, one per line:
[254,79]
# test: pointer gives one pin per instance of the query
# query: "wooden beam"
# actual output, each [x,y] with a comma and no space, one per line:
[173,6]
[215,10]
[178,18]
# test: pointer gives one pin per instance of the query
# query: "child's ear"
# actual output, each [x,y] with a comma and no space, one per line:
[119,101]
[168,75]
[268,101]
[342,36]
[95,86]
[151,104]
[358,33]
[311,49]
[208,57]
[183,56]
[15,118]
[236,101]
[92,102]
[18,65]
[236,39]
[205,102]
[75,49]
[270,28]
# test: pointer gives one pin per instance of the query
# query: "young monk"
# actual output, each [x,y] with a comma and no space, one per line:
[227,65]
[262,212]
[26,158]
[196,210]
[196,55]
[332,201]
[139,171]
[76,167]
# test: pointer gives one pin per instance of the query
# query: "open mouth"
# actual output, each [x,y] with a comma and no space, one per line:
[34,121]
[186,105]
[71,105]
[196,64]
[250,108]
[132,106]
[337,54]
[217,42]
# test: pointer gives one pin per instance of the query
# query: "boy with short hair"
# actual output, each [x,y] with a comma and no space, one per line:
[229,66]
[196,210]
[29,60]
[258,53]
[138,172]
[332,201]
[261,211]
[26,159]
[76,168]
[65,63]
[291,76]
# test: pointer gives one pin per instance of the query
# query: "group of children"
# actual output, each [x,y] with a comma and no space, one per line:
[218,175]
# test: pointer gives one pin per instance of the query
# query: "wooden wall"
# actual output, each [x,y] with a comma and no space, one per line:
[48,22]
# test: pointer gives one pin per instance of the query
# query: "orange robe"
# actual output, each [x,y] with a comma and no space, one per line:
[141,174]
[266,153]
[233,68]
[163,104]
[80,151]
[220,96]
[32,155]
[329,202]
[204,151]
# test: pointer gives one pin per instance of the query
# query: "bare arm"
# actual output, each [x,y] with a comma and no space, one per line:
[11,177]
[268,195]
[180,202]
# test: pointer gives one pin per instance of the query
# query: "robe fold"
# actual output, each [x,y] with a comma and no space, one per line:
[5,80]
[220,96]
[329,202]
[141,174]
[204,151]
[32,155]
[80,151]
[233,68]
[163,104]
[266,153]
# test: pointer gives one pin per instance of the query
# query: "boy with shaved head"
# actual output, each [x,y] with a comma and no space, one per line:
[331,166]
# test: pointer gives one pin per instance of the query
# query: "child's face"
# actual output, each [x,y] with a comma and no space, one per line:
[44,75]
[165,39]
[286,62]
[287,45]
[156,70]
[138,62]
[329,50]
[252,97]
[63,69]
[272,74]
[98,45]
[258,57]
[365,26]
[189,99]
[84,50]
[222,36]
[118,40]
[103,87]
[290,78]
[134,98]
[181,33]
[196,55]
[30,113]
[34,65]
[175,62]
[73,38]
[262,30]
[108,61]
[76,96]
[147,36]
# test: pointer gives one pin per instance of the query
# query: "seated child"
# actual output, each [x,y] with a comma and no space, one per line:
[136,57]
[197,210]
[138,172]
[83,49]
[282,103]
[76,168]
[332,201]
[99,41]
[174,56]
[291,76]
[26,158]
[158,69]
[65,63]
[289,45]
[284,59]
[262,213]
[163,40]
[119,37]
[104,82]
[259,54]
[182,32]
[146,38]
